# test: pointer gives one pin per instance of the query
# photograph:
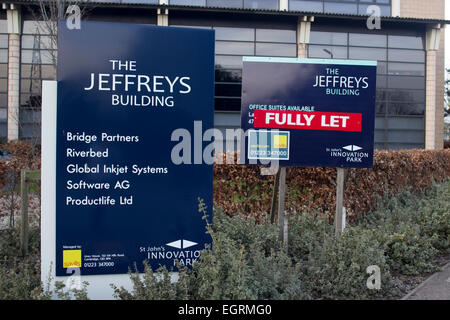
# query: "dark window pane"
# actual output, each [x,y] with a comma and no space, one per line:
[333,7]
[3,56]
[228,75]
[310,6]
[236,34]
[406,108]
[367,40]
[403,123]
[382,68]
[417,96]
[3,70]
[380,107]
[407,69]
[381,95]
[403,82]
[228,90]
[276,50]
[271,35]
[3,26]
[405,137]
[381,82]
[225,3]
[406,42]
[27,85]
[3,41]
[188,2]
[261,4]
[227,104]
[3,100]
[3,85]
[319,52]
[406,55]
[229,62]
[331,38]
[385,11]
[237,48]
[367,53]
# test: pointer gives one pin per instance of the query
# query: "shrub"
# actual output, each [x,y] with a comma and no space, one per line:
[242,189]
[243,265]
[337,269]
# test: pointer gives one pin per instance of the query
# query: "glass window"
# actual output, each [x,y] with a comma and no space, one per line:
[367,53]
[40,56]
[303,5]
[225,3]
[271,35]
[261,4]
[188,2]
[222,75]
[236,34]
[43,42]
[331,38]
[406,42]
[3,55]
[334,7]
[3,70]
[227,104]
[382,68]
[276,50]
[404,82]
[229,62]
[3,41]
[3,26]
[406,69]
[327,52]
[400,108]
[363,9]
[405,123]
[367,40]
[228,90]
[406,55]
[417,96]
[237,48]
[3,85]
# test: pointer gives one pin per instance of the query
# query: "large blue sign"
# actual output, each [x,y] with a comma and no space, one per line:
[309,112]
[122,197]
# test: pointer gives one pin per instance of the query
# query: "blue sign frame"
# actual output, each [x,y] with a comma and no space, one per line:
[120,199]
[327,106]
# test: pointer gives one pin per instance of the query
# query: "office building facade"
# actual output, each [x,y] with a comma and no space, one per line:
[406,37]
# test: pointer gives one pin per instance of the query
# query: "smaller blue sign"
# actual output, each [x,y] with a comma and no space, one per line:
[268,145]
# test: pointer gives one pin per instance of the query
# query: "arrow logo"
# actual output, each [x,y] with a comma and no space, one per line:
[352,148]
[181,244]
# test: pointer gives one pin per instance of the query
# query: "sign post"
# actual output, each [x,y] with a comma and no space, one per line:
[127,97]
[309,112]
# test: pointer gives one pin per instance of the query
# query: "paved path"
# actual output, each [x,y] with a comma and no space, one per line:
[436,287]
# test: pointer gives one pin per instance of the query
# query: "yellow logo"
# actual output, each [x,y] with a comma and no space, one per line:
[280,141]
[71,258]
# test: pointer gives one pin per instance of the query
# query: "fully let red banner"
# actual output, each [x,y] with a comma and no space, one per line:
[301,120]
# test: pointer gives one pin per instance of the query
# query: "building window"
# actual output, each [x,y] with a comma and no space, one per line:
[234,43]
[241,4]
[3,78]
[340,6]
[38,62]
[400,100]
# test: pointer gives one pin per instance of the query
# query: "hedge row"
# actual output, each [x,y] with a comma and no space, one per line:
[242,189]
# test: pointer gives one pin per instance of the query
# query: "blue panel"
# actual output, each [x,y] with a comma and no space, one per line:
[301,96]
[132,109]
